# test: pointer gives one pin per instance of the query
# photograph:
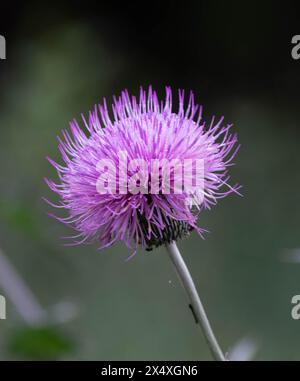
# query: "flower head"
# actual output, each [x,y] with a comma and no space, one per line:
[122,178]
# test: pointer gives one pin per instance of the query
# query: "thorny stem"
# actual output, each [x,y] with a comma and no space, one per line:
[197,307]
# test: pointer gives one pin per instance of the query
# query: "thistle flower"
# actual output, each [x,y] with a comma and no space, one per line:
[146,129]
[120,178]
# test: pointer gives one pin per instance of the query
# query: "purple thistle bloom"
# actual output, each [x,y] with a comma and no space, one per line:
[144,129]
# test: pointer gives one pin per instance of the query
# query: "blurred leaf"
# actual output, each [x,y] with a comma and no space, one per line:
[19,217]
[44,343]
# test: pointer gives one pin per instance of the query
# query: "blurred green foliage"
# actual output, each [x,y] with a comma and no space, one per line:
[44,343]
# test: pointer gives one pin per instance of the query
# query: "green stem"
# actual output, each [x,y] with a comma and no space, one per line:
[189,286]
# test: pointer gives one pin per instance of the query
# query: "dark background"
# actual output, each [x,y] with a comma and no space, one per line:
[236,57]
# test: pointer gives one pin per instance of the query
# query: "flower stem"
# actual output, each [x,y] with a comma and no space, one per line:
[197,307]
